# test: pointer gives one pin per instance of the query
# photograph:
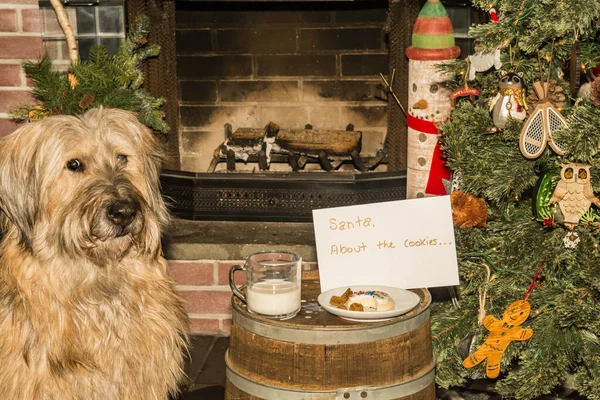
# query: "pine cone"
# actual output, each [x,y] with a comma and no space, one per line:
[556,96]
[595,92]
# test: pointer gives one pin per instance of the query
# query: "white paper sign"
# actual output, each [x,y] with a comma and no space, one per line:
[406,244]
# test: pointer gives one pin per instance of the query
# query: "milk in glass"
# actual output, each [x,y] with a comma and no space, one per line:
[274,297]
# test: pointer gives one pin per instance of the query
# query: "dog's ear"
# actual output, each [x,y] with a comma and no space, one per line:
[19,183]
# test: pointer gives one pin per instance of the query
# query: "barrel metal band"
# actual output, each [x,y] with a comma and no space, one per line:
[269,392]
[329,336]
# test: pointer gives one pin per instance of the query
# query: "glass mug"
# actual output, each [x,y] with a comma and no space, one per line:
[273,284]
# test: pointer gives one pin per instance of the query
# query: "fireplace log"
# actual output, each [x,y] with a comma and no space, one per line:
[312,142]
[263,145]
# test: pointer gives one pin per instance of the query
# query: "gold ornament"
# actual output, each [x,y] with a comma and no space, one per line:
[574,193]
[502,332]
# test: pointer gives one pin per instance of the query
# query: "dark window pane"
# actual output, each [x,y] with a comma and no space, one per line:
[111,20]
[467,47]
[111,44]
[86,20]
[461,19]
[84,47]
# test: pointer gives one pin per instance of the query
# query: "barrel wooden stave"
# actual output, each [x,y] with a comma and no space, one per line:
[316,367]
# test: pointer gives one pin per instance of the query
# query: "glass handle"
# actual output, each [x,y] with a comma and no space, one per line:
[234,288]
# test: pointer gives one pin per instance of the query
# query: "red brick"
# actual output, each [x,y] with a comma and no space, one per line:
[206,301]
[10,99]
[190,273]
[224,267]
[8,21]
[9,75]
[31,20]
[21,2]
[7,126]
[21,47]
[201,325]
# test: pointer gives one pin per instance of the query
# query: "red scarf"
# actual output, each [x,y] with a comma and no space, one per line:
[438,170]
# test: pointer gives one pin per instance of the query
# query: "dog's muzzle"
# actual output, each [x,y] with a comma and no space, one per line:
[122,213]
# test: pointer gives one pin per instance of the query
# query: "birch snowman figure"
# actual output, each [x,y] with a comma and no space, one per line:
[429,101]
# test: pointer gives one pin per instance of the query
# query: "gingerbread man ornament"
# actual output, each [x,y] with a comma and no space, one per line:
[502,332]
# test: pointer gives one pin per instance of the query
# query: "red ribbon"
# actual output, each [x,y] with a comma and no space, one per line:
[438,170]
[533,283]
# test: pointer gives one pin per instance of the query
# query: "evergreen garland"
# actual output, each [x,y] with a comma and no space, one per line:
[534,36]
[102,80]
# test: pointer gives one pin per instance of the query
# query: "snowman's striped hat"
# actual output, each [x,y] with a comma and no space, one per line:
[433,35]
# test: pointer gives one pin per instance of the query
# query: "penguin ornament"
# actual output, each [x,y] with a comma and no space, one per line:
[509,102]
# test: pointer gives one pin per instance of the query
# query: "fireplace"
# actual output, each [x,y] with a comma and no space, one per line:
[304,66]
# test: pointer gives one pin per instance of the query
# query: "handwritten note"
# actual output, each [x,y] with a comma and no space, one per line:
[406,244]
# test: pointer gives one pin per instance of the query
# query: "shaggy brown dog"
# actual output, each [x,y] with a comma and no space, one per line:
[87,310]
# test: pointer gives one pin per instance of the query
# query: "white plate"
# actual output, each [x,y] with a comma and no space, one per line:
[404,300]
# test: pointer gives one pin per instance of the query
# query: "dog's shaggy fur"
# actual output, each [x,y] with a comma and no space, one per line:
[87,310]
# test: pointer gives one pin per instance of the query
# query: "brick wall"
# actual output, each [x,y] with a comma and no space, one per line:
[292,64]
[20,38]
[204,287]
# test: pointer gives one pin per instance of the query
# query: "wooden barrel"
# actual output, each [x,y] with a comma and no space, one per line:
[317,355]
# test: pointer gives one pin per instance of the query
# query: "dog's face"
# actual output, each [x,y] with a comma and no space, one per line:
[85,186]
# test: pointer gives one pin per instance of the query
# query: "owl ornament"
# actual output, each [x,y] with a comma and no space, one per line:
[509,102]
[574,193]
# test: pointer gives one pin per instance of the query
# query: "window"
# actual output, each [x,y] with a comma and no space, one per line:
[94,22]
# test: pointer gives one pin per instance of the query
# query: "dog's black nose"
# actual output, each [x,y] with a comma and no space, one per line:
[122,212]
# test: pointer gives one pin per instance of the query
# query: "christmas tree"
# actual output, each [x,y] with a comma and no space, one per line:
[529,153]
[103,80]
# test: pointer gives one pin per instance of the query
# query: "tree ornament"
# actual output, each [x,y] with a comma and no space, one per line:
[544,188]
[509,102]
[493,15]
[482,61]
[468,211]
[556,96]
[574,193]
[571,240]
[539,127]
[469,92]
[502,332]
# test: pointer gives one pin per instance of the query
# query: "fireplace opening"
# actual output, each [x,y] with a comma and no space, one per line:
[313,70]
[294,64]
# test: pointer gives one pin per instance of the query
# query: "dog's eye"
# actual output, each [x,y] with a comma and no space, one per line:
[75,165]
[122,158]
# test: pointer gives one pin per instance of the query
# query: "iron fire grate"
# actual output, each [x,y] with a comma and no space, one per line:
[274,196]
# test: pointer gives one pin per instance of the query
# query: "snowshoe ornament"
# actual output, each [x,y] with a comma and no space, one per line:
[540,126]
